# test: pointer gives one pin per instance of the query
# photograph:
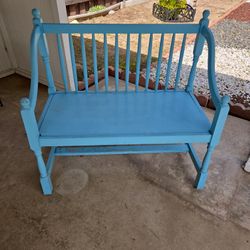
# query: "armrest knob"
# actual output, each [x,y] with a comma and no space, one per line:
[25,103]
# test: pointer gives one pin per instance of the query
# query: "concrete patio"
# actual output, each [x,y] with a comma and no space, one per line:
[129,202]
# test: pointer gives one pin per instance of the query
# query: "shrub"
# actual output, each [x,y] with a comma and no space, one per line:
[173,4]
[97,8]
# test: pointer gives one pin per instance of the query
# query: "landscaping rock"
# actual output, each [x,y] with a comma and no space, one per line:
[111,12]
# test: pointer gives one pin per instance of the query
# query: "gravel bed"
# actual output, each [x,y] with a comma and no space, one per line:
[232,34]
[232,63]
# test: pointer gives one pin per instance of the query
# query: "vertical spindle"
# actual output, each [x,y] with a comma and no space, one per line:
[106,71]
[116,62]
[95,61]
[73,61]
[62,61]
[158,70]
[170,58]
[127,61]
[44,51]
[84,63]
[138,63]
[150,43]
[178,73]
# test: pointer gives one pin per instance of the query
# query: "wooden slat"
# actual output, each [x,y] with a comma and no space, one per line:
[53,141]
[127,61]
[158,70]
[128,149]
[138,63]
[170,58]
[44,52]
[116,62]
[73,61]
[178,73]
[95,61]
[84,63]
[106,70]
[62,62]
[150,43]
[121,28]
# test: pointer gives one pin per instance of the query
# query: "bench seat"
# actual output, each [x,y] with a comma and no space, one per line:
[121,117]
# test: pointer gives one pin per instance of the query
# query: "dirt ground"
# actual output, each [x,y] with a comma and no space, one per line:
[141,13]
[241,14]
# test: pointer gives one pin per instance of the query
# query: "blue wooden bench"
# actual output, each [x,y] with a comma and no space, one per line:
[95,122]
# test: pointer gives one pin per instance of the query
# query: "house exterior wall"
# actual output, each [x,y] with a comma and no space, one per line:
[18,21]
[6,64]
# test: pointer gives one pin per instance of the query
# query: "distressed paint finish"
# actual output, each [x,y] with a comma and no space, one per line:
[96,122]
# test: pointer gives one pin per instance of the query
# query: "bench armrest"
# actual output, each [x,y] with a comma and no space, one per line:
[221,103]
[218,101]
[28,104]
[36,33]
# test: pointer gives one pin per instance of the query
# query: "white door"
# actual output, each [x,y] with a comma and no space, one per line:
[7,63]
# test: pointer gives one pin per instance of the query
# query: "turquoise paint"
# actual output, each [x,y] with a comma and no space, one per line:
[62,62]
[178,73]
[73,61]
[95,122]
[158,69]
[138,63]
[170,58]
[127,61]
[84,63]
[150,44]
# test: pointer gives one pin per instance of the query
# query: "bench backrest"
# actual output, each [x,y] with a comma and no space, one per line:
[88,33]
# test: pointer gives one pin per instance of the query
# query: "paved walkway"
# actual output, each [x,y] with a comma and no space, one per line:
[130,202]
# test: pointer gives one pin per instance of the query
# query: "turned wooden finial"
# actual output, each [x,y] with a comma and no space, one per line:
[25,103]
[205,14]
[36,16]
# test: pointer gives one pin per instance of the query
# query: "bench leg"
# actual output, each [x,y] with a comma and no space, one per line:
[45,179]
[202,173]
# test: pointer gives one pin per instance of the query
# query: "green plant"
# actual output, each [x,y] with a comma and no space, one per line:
[173,4]
[97,8]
